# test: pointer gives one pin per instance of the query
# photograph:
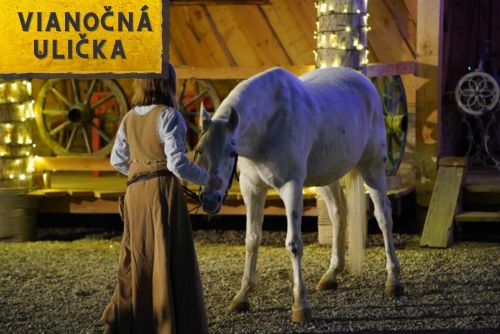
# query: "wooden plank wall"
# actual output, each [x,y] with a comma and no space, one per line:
[243,35]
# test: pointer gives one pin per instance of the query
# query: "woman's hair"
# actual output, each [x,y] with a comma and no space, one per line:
[155,91]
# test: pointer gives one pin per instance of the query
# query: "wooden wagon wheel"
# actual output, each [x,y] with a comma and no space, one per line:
[191,94]
[392,93]
[80,117]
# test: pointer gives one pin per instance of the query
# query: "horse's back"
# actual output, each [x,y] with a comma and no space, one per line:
[351,122]
[338,81]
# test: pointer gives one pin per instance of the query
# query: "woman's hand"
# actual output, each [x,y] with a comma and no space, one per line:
[215,182]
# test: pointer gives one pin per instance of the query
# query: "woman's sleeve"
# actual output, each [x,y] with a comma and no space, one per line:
[173,131]
[120,156]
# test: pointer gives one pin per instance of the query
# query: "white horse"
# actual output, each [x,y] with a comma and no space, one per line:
[293,132]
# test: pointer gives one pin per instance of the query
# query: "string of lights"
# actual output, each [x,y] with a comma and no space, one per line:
[341,30]
[16,143]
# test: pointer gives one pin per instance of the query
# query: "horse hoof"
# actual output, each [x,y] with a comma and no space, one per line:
[237,307]
[394,290]
[327,283]
[301,316]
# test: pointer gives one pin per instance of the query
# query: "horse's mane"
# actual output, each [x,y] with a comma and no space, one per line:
[246,92]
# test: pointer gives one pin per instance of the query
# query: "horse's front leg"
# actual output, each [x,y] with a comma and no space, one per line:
[291,193]
[254,196]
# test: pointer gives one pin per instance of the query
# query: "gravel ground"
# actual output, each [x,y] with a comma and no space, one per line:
[63,286]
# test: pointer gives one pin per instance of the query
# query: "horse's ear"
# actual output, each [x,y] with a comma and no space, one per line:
[204,118]
[234,118]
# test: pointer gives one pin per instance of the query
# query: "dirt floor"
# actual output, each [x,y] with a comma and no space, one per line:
[63,286]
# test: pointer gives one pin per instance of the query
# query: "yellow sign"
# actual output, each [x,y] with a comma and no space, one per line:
[61,38]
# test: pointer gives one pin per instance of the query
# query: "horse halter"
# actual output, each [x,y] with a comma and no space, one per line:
[196,195]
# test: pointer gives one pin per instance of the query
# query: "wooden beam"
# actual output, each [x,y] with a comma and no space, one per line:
[385,38]
[404,23]
[242,72]
[257,33]
[411,6]
[241,49]
[193,38]
[275,35]
[428,96]
[294,27]
[218,2]
[390,69]
[78,205]
[478,217]
[77,164]
[219,37]
[237,73]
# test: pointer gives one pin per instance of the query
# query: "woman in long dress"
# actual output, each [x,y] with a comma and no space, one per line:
[158,287]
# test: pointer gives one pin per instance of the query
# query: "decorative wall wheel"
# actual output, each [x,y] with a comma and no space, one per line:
[392,93]
[477,93]
[80,117]
[191,94]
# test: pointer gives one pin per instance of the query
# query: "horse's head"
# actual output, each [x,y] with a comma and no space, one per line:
[216,152]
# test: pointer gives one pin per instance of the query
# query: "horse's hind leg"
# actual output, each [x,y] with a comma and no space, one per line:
[335,203]
[291,193]
[374,176]
[254,196]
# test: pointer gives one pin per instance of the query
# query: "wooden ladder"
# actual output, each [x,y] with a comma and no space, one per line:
[460,196]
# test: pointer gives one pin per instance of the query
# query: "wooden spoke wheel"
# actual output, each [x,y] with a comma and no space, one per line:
[80,117]
[191,94]
[392,94]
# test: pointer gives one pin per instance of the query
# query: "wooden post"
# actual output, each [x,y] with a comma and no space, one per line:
[428,99]
[341,33]
[16,143]
[340,41]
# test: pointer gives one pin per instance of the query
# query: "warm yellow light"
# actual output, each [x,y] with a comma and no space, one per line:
[30,110]
[323,40]
[7,140]
[359,47]
[22,177]
[347,28]
[31,164]
[28,87]
[323,8]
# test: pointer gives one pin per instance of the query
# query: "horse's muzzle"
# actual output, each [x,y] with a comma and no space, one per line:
[211,202]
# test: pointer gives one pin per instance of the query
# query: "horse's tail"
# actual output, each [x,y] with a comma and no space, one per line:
[356,219]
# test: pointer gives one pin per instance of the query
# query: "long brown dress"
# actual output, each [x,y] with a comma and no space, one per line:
[158,286]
